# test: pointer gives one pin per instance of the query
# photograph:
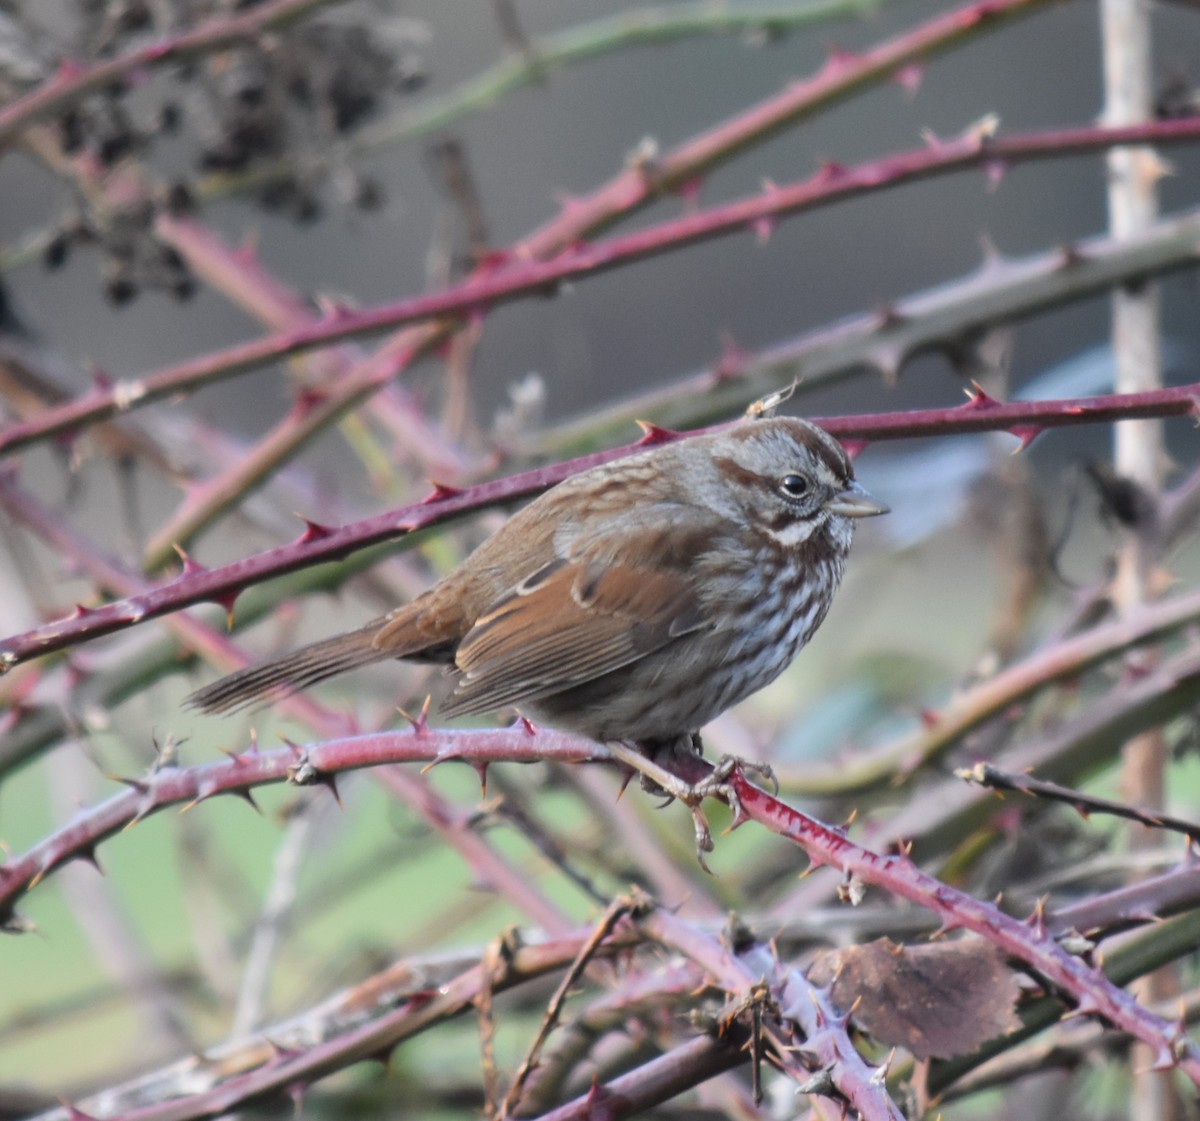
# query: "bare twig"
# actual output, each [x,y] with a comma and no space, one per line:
[621,907]
[986,775]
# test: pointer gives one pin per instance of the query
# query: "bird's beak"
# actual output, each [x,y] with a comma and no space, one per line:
[855,502]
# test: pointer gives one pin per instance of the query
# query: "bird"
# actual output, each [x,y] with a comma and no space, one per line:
[631,603]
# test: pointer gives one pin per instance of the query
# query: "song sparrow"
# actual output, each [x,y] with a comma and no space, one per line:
[633,602]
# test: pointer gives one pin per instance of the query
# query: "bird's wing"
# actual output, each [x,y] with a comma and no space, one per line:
[571,621]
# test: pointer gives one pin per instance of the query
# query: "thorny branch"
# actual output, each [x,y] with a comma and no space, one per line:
[511,276]
[319,543]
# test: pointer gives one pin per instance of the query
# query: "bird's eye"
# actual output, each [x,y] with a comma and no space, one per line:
[794,486]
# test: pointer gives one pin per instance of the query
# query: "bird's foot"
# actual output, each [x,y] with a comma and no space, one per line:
[657,779]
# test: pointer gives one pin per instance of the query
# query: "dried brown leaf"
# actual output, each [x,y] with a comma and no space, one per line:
[937,1000]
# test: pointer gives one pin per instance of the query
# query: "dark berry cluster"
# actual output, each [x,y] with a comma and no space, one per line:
[267,115]
[133,258]
[281,105]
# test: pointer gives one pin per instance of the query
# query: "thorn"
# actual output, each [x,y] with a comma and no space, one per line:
[654,434]
[820,1013]
[307,400]
[440,493]
[995,169]
[763,228]
[88,856]
[81,611]
[909,77]
[135,783]
[840,59]
[601,1103]
[854,446]
[280,1053]
[1037,919]
[821,1084]
[444,755]
[732,362]
[226,600]
[333,309]
[814,862]
[329,780]
[931,139]
[830,172]
[73,1111]
[420,722]
[66,441]
[977,398]
[1153,167]
[247,796]
[190,567]
[689,190]
[1025,434]
[481,769]
[67,70]
[492,260]
[296,1092]
[143,811]
[313,531]
[527,726]
[1069,256]
[887,360]
[992,257]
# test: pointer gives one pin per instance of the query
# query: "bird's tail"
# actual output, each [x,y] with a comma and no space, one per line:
[292,672]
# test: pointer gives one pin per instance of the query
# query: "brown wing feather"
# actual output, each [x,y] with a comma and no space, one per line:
[570,622]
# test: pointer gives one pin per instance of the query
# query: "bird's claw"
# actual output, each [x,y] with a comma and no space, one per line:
[658,780]
[717,785]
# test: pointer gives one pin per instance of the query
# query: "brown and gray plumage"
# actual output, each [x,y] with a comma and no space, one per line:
[635,601]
